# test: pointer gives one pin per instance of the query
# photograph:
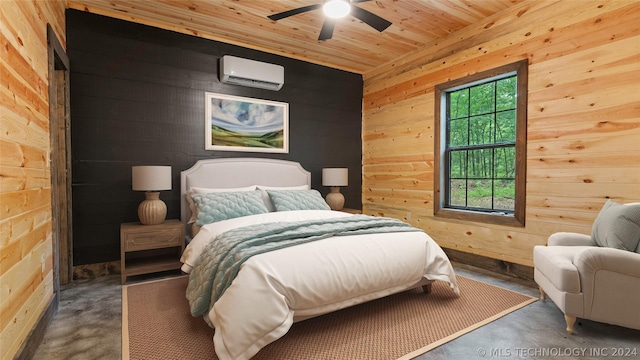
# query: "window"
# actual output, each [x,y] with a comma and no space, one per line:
[480,147]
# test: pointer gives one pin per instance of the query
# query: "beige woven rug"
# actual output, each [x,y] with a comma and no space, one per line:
[156,323]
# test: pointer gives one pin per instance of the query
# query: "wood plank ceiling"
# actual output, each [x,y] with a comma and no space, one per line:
[355,46]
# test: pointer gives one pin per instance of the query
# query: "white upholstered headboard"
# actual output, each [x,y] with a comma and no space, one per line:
[239,172]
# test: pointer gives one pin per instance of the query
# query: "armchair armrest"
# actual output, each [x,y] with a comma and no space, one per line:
[610,282]
[589,261]
[570,239]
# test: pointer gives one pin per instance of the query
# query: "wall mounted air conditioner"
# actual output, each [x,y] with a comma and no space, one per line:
[245,72]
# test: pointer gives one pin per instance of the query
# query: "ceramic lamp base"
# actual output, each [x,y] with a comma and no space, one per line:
[335,199]
[152,211]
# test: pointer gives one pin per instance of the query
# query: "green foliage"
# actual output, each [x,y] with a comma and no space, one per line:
[481,144]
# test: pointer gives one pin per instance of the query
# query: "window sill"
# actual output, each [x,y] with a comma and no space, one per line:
[481,217]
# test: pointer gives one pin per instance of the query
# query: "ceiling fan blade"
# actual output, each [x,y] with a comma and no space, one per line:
[358,1]
[327,29]
[370,18]
[292,12]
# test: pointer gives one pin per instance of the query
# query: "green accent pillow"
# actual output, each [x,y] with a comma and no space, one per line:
[287,200]
[618,226]
[214,207]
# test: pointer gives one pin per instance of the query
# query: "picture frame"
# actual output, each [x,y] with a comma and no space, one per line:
[234,123]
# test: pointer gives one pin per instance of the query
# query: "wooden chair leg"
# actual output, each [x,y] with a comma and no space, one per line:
[426,288]
[542,296]
[571,320]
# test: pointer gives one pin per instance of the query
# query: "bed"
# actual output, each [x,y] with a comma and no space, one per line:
[303,260]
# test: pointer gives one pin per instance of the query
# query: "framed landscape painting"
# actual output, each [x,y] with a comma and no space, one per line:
[236,123]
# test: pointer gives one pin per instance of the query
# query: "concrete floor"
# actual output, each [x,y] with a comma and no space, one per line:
[88,326]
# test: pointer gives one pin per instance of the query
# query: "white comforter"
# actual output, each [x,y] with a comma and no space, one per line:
[274,289]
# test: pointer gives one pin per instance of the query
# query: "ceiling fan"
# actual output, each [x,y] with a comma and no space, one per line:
[342,8]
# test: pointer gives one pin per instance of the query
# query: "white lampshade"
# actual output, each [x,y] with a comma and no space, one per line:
[151,178]
[335,177]
[336,9]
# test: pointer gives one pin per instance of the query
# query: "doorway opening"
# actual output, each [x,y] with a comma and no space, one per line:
[60,162]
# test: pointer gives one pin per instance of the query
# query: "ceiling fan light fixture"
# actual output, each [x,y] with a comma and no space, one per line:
[336,9]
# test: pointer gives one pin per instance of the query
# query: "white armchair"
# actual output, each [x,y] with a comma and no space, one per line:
[589,281]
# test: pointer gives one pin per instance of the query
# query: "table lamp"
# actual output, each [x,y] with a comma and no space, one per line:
[335,177]
[151,179]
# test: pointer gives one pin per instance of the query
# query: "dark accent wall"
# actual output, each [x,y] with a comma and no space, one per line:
[137,98]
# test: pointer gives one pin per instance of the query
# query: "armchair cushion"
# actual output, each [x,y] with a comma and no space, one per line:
[618,226]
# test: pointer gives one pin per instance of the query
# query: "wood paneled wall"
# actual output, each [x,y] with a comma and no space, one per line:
[26,278]
[583,121]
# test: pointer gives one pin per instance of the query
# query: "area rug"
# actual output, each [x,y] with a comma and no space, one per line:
[156,323]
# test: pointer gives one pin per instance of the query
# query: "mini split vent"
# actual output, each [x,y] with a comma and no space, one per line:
[245,72]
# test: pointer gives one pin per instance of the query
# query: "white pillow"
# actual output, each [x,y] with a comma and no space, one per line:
[198,190]
[267,200]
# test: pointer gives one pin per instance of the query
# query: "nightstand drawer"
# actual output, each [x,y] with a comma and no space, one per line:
[151,240]
[146,249]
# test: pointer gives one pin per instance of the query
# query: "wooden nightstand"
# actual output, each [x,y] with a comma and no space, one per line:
[147,249]
[351,211]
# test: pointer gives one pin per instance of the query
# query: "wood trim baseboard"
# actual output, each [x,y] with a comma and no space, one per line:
[517,271]
[90,271]
[33,340]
